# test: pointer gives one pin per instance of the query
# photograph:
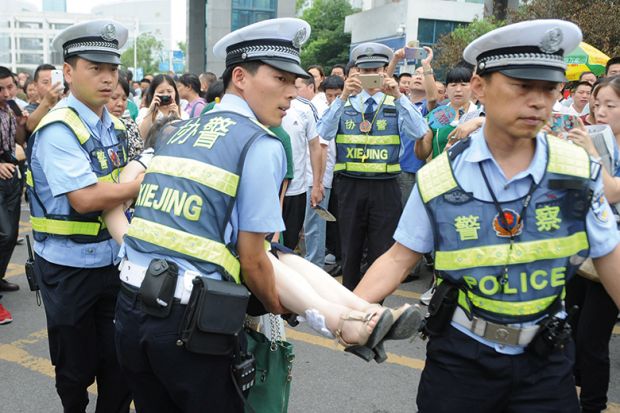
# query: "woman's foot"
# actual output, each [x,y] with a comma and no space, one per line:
[366,329]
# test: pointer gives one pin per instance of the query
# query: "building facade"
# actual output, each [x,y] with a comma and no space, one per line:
[210,20]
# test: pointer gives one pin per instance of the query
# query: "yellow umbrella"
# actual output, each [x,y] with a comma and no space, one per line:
[585,58]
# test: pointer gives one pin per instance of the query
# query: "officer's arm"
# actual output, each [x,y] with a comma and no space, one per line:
[423,147]
[386,273]
[103,195]
[411,123]
[257,270]
[328,124]
[607,269]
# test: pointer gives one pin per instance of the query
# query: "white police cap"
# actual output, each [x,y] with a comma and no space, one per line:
[531,49]
[371,55]
[275,42]
[96,40]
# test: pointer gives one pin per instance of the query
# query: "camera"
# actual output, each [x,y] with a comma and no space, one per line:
[165,100]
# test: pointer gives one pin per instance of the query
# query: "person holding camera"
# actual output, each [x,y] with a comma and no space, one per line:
[161,100]
[370,121]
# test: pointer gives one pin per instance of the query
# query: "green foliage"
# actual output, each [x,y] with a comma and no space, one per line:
[149,50]
[182,45]
[328,43]
[598,19]
[449,48]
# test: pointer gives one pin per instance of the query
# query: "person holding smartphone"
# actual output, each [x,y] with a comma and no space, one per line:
[11,132]
[161,100]
[370,121]
[50,90]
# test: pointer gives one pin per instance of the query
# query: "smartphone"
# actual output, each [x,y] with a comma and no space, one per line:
[562,123]
[165,100]
[371,81]
[414,53]
[323,213]
[57,77]
[15,108]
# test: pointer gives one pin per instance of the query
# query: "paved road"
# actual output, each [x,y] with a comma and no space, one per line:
[325,378]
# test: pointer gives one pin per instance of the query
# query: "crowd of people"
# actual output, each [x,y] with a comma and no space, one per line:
[324,166]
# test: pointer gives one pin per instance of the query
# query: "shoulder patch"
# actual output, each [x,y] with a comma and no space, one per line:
[566,158]
[435,178]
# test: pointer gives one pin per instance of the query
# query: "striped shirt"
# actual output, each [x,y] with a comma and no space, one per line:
[8,126]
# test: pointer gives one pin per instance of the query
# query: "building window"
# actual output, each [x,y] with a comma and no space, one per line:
[59,26]
[429,31]
[30,43]
[245,12]
[30,58]
[5,42]
[30,25]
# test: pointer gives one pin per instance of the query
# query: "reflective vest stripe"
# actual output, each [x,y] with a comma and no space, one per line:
[367,167]
[368,140]
[521,308]
[112,177]
[522,252]
[60,227]
[185,243]
[200,172]
[567,159]
[29,181]
[436,178]
[70,118]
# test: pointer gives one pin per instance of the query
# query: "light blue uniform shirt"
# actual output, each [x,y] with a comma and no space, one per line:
[257,207]
[414,230]
[411,124]
[60,165]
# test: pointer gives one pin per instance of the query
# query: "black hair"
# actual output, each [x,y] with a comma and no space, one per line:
[129,76]
[145,80]
[191,81]
[613,61]
[583,83]
[161,127]
[42,68]
[124,84]
[72,61]
[158,80]
[216,90]
[251,67]
[308,81]
[459,74]
[332,82]
[338,66]
[5,72]
[27,83]
[317,67]
[585,73]
[404,74]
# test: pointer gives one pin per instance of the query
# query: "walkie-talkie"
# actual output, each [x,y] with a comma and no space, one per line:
[32,280]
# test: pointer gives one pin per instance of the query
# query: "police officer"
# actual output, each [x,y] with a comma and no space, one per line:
[223,172]
[77,152]
[510,213]
[369,124]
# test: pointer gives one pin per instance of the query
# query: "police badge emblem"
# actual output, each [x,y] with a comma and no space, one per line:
[108,33]
[551,41]
[299,37]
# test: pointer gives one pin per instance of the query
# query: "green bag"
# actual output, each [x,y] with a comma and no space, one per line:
[274,363]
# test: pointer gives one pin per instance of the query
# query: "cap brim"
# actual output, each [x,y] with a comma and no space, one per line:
[287,66]
[101,58]
[537,73]
[370,65]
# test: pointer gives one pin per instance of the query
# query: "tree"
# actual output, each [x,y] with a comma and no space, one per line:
[149,50]
[598,19]
[328,43]
[449,48]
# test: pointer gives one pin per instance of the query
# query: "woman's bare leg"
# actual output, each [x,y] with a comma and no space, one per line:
[323,283]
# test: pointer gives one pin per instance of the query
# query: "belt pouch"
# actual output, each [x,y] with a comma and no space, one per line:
[441,309]
[214,315]
[158,286]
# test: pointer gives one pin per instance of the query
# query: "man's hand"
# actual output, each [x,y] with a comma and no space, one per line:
[7,170]
[429,57]
[399,55]
[352,86]
[316,195]
[53,95]
[390,87]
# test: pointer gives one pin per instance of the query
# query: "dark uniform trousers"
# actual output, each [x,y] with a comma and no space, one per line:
[368,213]
[463,375]
[79,306]
[165,377]
[592,329]
[10,199]
[293,213]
